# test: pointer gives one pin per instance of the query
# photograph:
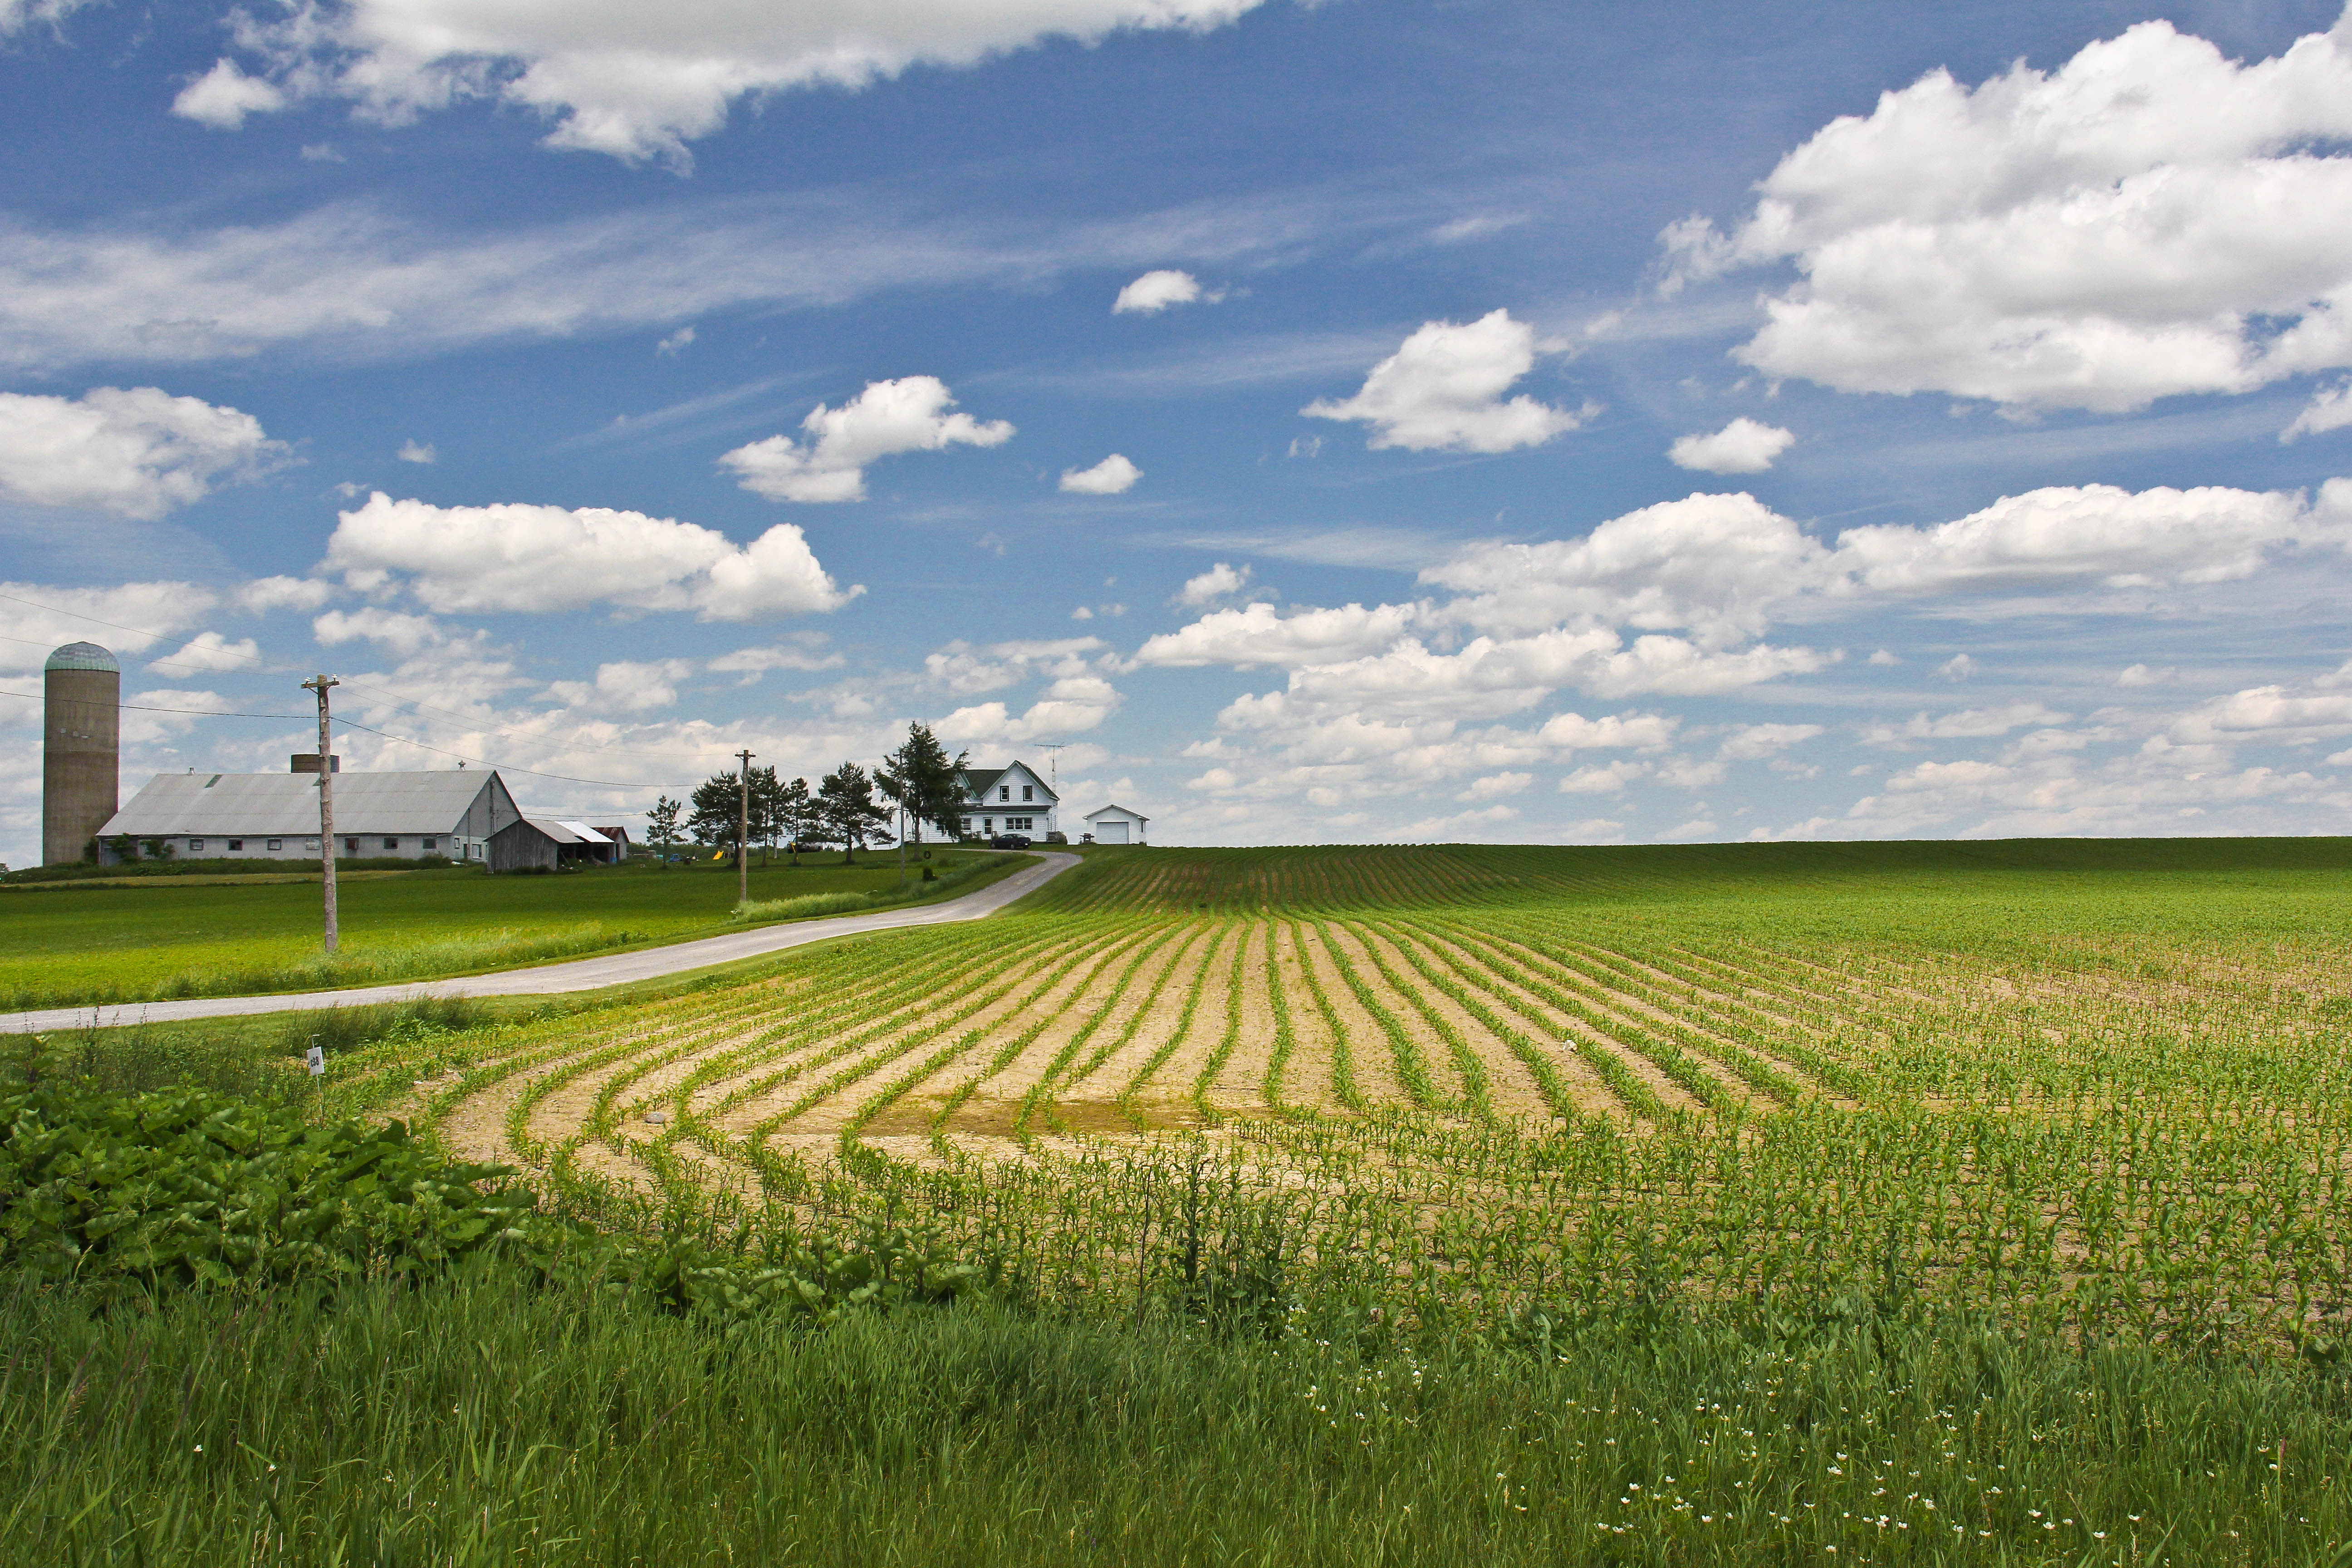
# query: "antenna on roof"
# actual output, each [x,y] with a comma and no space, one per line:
[1053,764]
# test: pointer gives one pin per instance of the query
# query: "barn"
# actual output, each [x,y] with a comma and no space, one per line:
[275,816]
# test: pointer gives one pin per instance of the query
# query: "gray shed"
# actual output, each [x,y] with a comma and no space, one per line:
[546,842]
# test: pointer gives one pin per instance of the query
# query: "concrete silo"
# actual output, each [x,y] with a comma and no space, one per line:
[81,741]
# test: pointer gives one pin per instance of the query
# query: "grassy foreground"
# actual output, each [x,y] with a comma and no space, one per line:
[63,944]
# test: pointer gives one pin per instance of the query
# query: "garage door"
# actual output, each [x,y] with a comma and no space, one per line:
[1110,833]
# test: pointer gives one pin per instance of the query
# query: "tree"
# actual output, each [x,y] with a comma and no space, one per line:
[796,814]
[715,813]
[846,804]
[767,810]
[919,777]
[661,823]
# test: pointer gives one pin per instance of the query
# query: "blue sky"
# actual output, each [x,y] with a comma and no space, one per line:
[1352,421]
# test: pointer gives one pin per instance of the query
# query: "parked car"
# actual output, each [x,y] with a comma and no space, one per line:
[1009,841]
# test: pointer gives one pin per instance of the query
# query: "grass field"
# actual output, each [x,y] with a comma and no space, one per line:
[64,943]
[1925,1204]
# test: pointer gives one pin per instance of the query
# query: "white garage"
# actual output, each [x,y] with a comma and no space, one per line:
[1115,824]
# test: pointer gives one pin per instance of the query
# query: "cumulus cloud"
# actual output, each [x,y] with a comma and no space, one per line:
[211,651]
[634,82]
[1743,446]
[1603,778]
[1752,743]
[1495,786]
[1251,634]
[417,452]
[224,95]
[1155,291]
[1069,705]
[137,452]
[1113,476]
[1219,582]
[966,671]
[403,635]
[1967,723]
[2152,218]
[544,559]
[1624,732]
[626,686]
[1442,390]
[909,414]
[35,618]
[751,663]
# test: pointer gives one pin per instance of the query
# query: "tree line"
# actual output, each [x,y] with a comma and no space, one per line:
[849,809]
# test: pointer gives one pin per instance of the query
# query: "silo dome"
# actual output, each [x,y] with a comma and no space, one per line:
[82,656]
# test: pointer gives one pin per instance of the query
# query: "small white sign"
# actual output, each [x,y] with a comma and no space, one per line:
[318,1061]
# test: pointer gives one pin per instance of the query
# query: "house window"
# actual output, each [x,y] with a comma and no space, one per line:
[1018,823]
[275,845]
[1005,791]
[195,845]
[236,846]
[1028,792]
[392,844]
[967,824]
[988,824]
[429,844]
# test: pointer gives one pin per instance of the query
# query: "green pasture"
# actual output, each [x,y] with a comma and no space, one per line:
[63,944]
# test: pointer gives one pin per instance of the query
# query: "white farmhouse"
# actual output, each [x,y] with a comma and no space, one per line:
[1011,799]
[1115,824]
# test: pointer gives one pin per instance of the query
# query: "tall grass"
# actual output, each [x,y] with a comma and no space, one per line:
[761,911]
[479,1419]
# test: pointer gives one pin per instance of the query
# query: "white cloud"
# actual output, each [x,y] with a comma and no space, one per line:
[1635,731]
[1603,778]
[965,670]
[889,418]
[1752,743]
[675,341]
[639,83]
[1442,390]
[403,635]
[1495,786]
[2150,219]
[626,686]
[2330,409]
[2142,675]
[1969,723]
[1697,827]
[263,594]
[1960,666]
[1743,446]
[1155,291]
[1219,582]
[417,452]
[753,662]
[137,452]
[35,618]
[1113,476]
[543,558]
[224,95]
[211,651]
[1251,634]
[1071,704]
[1883,658]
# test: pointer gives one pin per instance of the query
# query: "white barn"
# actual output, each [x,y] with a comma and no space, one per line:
[1011,799]
[275,816]
[1115,824]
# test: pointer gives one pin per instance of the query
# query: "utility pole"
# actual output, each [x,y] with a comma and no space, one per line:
[326,799]
[743,834]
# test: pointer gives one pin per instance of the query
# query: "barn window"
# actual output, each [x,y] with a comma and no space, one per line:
[429,844]
[392,844]
[236,846]
[195,845]
[276,844]
[351,845]
[312,845]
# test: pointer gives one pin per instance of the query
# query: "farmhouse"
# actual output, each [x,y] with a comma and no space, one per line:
[275,816]
[544,843]
[1115,824]
[1011,799]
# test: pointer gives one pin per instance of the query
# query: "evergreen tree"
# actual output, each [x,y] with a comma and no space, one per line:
[796,814]
[661,823]
[846,803]
[714,814]
[921,779]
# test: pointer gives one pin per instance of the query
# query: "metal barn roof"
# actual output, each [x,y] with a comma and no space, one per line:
[253,804]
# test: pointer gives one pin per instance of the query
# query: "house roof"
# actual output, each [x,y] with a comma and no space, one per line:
[256,805]
[982,780]
[1114,811]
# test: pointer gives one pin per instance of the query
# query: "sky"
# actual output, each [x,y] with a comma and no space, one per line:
[1358,421]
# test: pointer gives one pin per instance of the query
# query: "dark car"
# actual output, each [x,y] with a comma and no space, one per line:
[1009,841]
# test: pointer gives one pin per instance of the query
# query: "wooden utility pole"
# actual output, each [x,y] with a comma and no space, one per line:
[326,799]
[743,834]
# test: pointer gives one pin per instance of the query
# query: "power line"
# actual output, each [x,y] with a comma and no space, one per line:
[148,708]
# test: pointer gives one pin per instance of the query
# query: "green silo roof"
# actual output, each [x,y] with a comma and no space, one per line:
[82,656]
